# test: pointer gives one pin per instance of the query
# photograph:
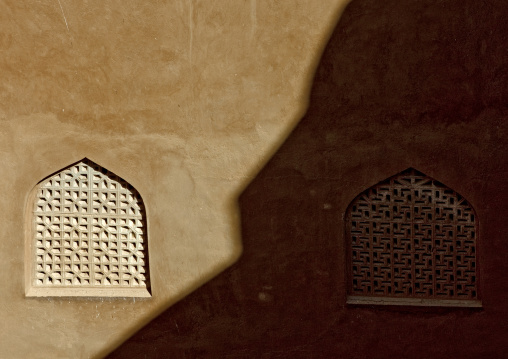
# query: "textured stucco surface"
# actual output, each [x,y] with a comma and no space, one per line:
[186,100]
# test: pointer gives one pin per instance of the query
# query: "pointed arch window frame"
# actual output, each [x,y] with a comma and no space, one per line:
[355,299]
[91,290]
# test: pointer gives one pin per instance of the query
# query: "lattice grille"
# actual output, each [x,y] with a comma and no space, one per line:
[411,236]
[89,228]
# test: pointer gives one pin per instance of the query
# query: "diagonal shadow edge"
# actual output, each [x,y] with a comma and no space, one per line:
[232,204]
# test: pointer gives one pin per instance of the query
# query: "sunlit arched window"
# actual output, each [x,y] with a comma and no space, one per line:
[88,235]
[412,241]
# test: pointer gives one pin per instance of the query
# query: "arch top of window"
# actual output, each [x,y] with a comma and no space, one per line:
[412,241]
[87,235]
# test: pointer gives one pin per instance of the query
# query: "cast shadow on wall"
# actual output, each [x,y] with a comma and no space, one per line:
[401,84]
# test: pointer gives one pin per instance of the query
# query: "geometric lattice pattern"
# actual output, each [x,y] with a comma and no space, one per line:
[89,228]
[412,237]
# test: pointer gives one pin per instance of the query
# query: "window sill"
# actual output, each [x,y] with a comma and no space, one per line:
[88,292]
[359,300]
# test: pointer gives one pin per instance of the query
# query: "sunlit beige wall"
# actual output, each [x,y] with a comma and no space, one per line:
[186,100]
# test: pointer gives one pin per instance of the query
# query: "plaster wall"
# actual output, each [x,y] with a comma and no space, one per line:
[401,83]
[186,100]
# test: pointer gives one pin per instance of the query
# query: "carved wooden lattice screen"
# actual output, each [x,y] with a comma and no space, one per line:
[412,241]
[89,235]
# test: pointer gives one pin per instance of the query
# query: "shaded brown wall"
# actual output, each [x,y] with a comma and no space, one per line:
[401,84]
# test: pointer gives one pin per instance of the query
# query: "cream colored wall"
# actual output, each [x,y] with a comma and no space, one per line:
[186,100]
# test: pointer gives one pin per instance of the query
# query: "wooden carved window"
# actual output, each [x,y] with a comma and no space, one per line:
[88,235]
[412,241]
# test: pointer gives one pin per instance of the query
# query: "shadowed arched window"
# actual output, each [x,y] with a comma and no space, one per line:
[412,241]
[88,235]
